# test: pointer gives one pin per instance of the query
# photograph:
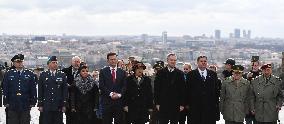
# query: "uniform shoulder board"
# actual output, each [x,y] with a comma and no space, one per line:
[278,78]
[28,70]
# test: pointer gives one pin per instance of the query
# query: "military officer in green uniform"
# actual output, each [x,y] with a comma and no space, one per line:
[234,97]
[266,96]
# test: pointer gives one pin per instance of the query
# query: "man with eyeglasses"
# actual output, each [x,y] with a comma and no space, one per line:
[202,95]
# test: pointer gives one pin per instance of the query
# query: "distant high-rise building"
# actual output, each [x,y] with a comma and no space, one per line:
[231,35]
[144,37]
[164,37]
[217,34]
[249,34]
[244,34]
[237,33]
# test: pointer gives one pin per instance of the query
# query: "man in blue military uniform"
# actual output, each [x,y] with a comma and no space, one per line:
[52,93]
[19,90]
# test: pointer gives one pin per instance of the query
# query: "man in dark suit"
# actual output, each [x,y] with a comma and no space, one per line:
[202,94]
[71,72]
[169,92]
[112,85]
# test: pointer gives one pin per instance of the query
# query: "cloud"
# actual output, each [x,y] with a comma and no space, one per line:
[112,17]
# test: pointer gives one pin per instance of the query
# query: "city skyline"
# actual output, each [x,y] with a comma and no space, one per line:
[125,17]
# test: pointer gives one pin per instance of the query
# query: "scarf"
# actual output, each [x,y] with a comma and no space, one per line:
[84,85]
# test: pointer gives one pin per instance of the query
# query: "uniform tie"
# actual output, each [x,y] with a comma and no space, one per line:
[113,75]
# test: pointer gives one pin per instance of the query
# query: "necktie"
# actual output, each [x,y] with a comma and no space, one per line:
[203,78]
[19,72]
[113,75]
[138,80]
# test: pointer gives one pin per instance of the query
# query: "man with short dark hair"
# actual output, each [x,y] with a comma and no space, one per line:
[169,92]
[202,94]
[112,85]
[228,68]
[52,93]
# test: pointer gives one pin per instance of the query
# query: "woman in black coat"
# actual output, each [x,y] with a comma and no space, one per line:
[84,98]
[138,98]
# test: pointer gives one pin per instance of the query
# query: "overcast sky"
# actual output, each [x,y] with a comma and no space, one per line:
[265,18]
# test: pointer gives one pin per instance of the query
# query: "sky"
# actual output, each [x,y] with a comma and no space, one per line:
[265,18]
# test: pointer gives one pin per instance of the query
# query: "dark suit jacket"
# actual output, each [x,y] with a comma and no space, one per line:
[169,92]
[69,74]
[138,98]
[202,96]
[107,86]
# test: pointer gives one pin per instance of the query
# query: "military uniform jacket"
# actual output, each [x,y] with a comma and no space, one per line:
[266,94]
[52,91]
[19,89]
[234,99]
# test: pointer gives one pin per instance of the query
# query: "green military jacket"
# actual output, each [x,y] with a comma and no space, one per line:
[234,101]
[266,94]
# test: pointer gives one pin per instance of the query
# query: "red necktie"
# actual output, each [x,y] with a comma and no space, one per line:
[113,75]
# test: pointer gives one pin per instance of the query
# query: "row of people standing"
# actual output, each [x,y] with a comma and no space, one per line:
[199,93]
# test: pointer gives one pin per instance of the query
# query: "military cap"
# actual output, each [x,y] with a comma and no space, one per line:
[19,57]
[238,68]
[254,58]
[138,65]
[230,61]
[159,65]
[266,66]
[52,58]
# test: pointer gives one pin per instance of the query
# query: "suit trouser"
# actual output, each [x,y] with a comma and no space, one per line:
[70,117]
[250,119]
[19,117]
[168,121]
[52,117]
[112,111]
[182,117]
